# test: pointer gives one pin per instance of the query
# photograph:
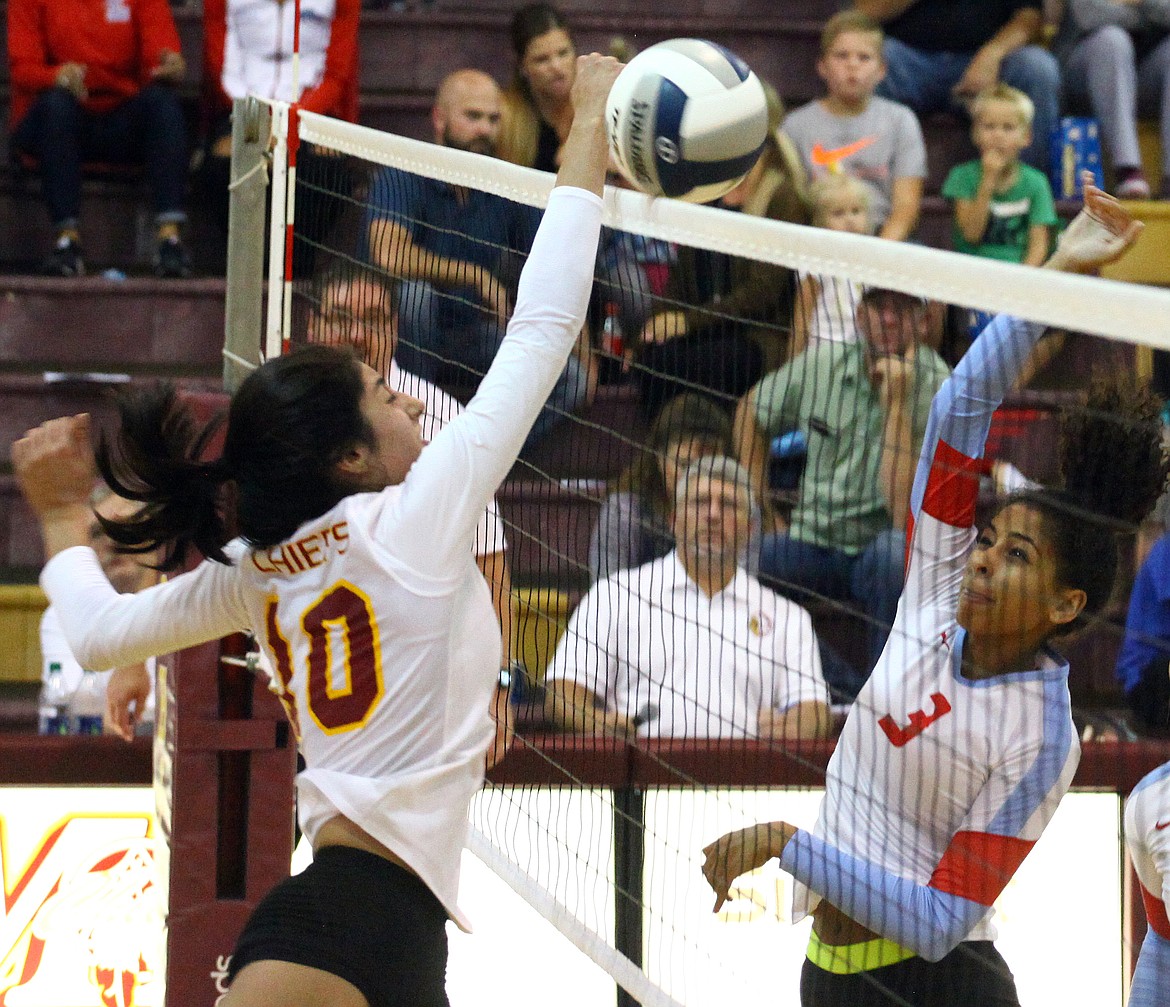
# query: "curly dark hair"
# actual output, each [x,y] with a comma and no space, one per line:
[1113,469]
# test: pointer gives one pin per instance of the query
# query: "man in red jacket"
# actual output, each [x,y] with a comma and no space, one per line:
[91,82]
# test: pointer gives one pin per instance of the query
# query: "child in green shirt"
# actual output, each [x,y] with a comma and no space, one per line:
[1003,208]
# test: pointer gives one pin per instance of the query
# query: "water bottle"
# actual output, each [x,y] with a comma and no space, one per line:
[89,704]
[613,341]
[54,703]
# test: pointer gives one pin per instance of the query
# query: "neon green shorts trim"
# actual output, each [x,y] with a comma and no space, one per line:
[849,959]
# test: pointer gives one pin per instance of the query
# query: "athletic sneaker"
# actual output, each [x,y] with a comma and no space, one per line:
[65,259]
[172,260]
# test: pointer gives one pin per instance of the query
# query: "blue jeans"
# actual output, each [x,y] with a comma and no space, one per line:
[461,354]
[871,580]
[148,128]
[923,80]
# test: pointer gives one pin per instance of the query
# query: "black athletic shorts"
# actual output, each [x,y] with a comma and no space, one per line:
[360,917]
[973,975]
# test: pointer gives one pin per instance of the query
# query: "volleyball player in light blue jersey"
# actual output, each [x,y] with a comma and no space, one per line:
[961,744]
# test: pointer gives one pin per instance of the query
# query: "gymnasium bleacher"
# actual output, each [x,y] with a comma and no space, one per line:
[144,328]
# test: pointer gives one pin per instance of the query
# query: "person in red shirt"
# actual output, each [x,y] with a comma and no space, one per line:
[247,50]
[91,82]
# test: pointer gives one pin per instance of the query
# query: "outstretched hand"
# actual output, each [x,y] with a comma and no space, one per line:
[1101,233]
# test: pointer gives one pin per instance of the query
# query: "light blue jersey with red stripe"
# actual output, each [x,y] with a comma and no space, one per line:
[940,785]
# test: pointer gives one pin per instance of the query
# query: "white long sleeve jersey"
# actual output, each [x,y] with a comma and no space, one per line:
[374,615]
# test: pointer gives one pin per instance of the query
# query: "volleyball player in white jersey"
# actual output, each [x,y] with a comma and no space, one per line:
[961,744]
[1147,834]
[355,571]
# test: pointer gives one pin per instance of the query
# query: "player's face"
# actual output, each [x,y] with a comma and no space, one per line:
[470,120]
[890,322]
[550,64]
[846,212]
[394,420]
[1010,591]
[853,66]
[126,573]
[999,128]
[711,521]
[356,313]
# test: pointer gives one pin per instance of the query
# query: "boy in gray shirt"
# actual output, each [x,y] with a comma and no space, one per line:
[852,131]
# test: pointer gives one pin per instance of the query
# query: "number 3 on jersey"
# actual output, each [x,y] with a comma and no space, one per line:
[344,684]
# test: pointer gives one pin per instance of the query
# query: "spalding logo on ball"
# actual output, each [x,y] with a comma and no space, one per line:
[686,118]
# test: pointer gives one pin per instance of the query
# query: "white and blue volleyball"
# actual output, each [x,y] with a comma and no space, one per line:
[687,119]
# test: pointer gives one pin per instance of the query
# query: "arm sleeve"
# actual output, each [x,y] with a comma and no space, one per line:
[105,629]
[158,32]
[1007,817]
[799,677]
[340,61]
[775,392]
[616,540]
[960,183]
[946,483]
[910,147]
[28,60]
[586,652]
[451,483]
[928,922]
[1043,209]
[221,76]
[55,650]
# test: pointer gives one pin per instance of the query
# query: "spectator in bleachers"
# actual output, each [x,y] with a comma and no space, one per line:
[729,319]
[95,84]
[537,113]
[1143,664]
[1116,59]
[862,407]
[691,645]
[129,689]
[1003,208]
[853,131]
[457,251]
[941,53]
[247,50]
[354,307]
[634,523]
[825,309]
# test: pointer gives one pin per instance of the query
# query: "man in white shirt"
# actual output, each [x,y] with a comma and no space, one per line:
[133,684]
[691,645]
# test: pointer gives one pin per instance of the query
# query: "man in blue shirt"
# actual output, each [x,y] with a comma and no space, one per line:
[457,252]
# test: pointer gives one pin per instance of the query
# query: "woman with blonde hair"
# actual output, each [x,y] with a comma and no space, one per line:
[537,113]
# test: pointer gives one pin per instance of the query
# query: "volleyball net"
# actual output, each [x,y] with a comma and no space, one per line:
[656,714]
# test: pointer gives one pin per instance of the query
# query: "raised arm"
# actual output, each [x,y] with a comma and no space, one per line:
[448,487]
[960,415]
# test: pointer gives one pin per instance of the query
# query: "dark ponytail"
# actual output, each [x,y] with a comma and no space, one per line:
[155,461]
[1113,469]
[288,425]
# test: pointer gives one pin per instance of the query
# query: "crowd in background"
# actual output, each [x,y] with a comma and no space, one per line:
[729,356]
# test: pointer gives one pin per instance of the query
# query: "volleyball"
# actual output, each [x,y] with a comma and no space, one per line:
[686,119]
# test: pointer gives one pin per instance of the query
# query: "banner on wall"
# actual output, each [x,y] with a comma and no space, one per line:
[82,922]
